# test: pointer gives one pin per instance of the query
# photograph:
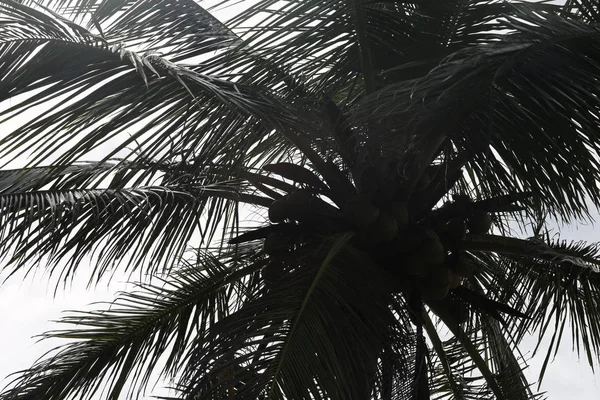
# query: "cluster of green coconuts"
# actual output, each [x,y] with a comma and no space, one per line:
[417,256]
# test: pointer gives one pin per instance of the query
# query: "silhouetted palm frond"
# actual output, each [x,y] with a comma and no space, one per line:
[392,146]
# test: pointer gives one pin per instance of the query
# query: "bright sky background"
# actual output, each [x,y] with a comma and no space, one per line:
[27,305]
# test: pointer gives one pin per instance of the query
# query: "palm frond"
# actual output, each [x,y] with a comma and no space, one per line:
[28,179]
[187,30]
[176,111]
[455,374]
[402,105]
[583,10]
[321,40]
[170,104]
[557,287]
[511,102]
[310,335]
[150,225]
[124,343]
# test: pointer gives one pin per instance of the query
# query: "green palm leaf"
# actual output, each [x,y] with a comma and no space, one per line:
[283,340]
[143,89]
[150,224]
[126,341]
[375,133]
[555,286]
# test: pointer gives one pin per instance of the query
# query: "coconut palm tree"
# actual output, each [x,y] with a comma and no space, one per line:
[322,199]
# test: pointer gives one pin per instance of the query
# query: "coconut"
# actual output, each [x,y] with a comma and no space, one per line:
[360,211]
[457,310]
[437,284]
[415,265]
[278,211]
[436,292]
[462,199]
[401,282]
[409,241]
[300,204]
[439,276]
[424,181]
[272,272]
[275,244]
[479,223]
[399,211]
[464,267]
[303,206]
[456,229]
[383,229]
[432,250]
[369,180]
[386,190]
[455,281]
[299,197]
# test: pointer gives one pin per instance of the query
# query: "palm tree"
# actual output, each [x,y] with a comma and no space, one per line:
[322,199]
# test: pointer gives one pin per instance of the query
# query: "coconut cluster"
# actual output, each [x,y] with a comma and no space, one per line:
[276,246]
[417,254]
[428,257]
[301,208]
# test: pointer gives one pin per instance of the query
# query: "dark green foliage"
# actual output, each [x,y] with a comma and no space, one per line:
[371,134]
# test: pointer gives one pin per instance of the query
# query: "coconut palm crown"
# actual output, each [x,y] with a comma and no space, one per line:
[322,199]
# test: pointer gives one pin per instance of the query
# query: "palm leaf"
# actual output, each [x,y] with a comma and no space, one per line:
[28,179]
[345,89]
[160,94]
[491,80]
[152,225]
[304,331]
[142,333]
[558,285]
